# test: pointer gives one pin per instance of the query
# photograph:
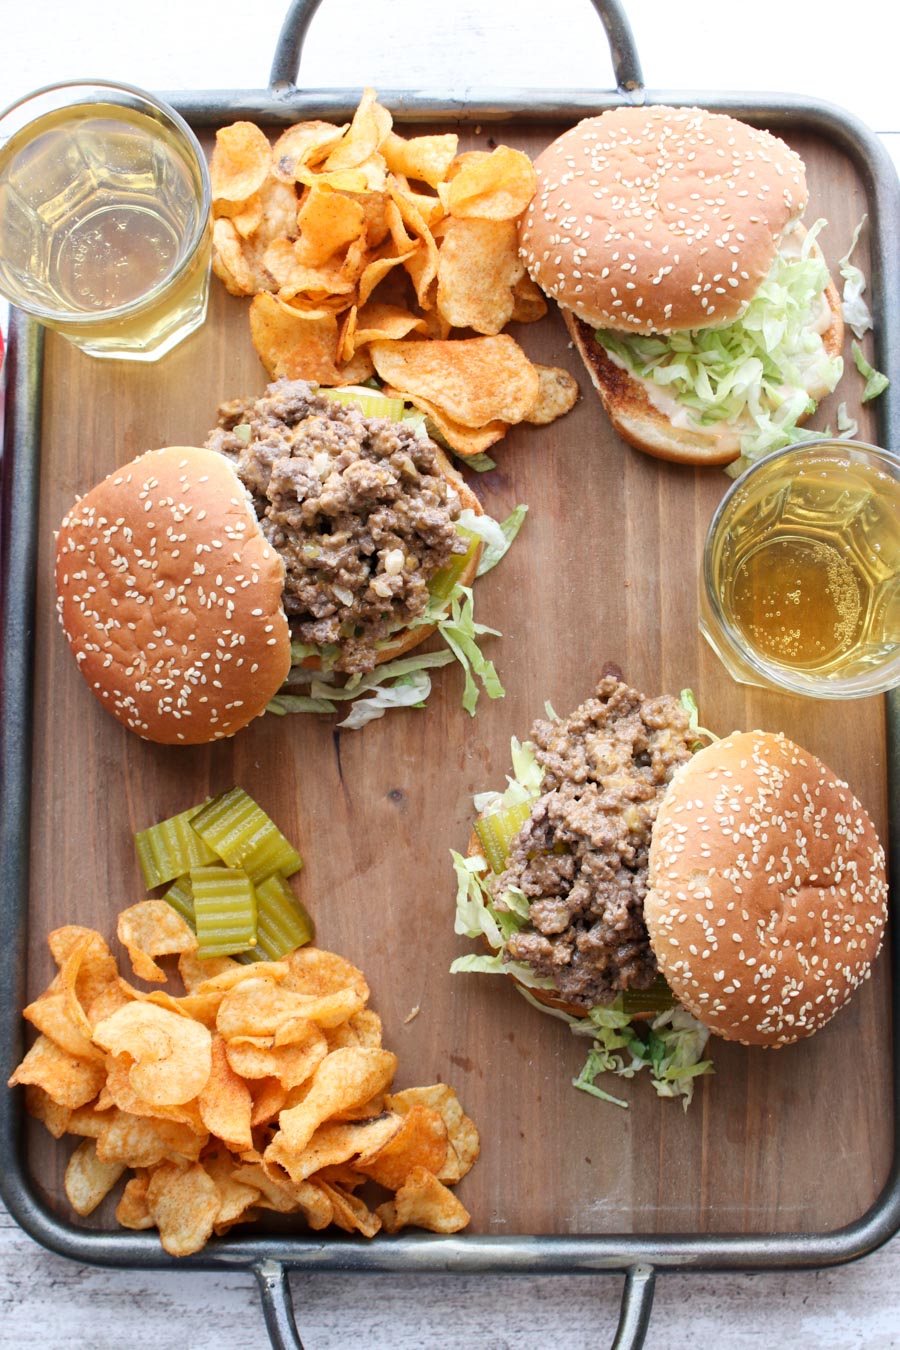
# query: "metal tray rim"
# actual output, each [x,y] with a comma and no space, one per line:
[467,1254]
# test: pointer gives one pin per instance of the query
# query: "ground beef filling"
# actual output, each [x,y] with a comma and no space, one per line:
[357,507]
[581,859]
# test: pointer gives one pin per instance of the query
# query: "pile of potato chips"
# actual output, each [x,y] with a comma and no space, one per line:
[365,250]
[263,1087]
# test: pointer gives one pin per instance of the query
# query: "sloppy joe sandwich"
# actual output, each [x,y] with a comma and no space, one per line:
[194,584]
[627,870]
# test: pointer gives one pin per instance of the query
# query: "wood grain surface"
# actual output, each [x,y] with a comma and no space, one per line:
[605,568]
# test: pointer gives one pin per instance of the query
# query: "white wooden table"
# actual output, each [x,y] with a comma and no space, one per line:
[841,52]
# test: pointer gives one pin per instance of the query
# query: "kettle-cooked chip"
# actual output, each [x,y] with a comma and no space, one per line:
[172,1054]
[348,1211]
[473,380]
[67,1080]
[333,1143]
[461,1131]
[370,125]
[263,1087]
[184,1204]
[224,1103]
[143,1141]
[424,1202]
[328,221]
[463,440]
[497,187]
[132,1210]
[345,1078]
[296,345]
[88,1181]
[240,162]
[425,158]
[153,928]
[421,1141]
[557,395]
[478,268]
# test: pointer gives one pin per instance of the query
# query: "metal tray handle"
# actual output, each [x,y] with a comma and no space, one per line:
[278,1307]
[626,64]
[637,1296]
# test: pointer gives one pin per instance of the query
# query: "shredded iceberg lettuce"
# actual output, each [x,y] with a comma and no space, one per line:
[853,306]
[876,382]
[670,1046]
[689,703]
[496,535]
[671,1049]
[753,374]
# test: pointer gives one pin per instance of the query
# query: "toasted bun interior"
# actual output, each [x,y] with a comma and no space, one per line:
[646,427]
[170,597]
[768,893]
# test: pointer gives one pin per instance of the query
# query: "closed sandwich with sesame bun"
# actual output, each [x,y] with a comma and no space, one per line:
[672,240]
[170,597]
[629,873]
[767,894]
[196,584]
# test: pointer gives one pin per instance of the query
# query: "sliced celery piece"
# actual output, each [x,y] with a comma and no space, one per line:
[243,835]
[497,830]
[181,898]
[224,910]
[282,923]
[371,403]
[656,999]
[171,848]
[444,581]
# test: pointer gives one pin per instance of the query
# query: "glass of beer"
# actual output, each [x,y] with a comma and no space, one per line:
[104,218]
[800,588]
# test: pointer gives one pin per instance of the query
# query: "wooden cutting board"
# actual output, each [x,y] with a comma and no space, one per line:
[605,569]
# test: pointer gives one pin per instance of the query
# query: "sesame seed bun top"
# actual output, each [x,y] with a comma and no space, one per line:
[768,894]
[655,220]
[170,597]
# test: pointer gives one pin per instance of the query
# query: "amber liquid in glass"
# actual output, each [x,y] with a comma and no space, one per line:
[809,574]
[99,208]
